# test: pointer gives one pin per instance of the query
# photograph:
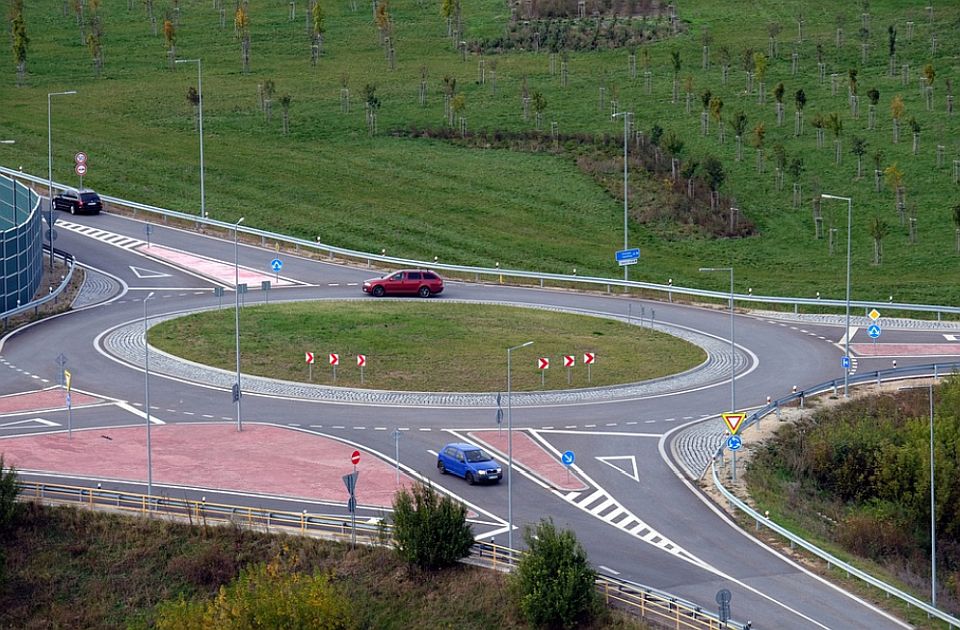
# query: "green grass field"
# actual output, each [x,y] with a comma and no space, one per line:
[420,199]
[425,346]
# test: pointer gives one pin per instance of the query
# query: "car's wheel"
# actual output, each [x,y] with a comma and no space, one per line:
[441,468]
[73,209]
[470,478]
[378,291]
[424,292]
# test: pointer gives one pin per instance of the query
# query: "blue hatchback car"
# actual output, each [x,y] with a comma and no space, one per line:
[468,461]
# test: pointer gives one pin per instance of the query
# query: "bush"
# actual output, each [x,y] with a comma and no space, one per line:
[8,494]
[265,596]
[553,583]
[430,530]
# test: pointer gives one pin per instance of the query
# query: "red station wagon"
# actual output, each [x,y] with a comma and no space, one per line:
[405,282]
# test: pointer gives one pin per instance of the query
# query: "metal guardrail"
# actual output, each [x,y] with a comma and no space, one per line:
[935,370]
[492,272]
[638,599]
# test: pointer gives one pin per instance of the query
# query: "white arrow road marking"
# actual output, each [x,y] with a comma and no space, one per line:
[142,273]
[951,337]
[626,458]
[42,421]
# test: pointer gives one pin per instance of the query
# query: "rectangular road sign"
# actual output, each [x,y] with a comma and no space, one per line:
[628,256]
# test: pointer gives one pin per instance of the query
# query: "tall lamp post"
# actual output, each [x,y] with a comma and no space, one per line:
[626,125]
[236,286]
[933,505]
[846,335]
[146,396]
[50,169]
[203,207]
[510,446]
[733,351]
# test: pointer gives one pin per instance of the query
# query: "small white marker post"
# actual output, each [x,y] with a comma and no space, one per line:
[396,439]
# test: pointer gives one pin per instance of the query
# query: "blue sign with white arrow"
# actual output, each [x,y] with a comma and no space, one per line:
[567,458]
[845,363]
[276,264]
[628,256]
[734,442]
[873,331]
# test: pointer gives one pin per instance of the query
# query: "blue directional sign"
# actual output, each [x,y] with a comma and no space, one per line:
[276,264]
[845,363]
[628,256]
[873,331]
[567,458]
[734,442]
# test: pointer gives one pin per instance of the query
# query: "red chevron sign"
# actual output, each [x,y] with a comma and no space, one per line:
[334,359]
[543,363]
[589,358]
[308,356]
[569,360]
[361,360]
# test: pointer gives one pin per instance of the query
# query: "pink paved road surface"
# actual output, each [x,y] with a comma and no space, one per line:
[44,399]
[532,456]
[906,349]
[261,459]
[219,271]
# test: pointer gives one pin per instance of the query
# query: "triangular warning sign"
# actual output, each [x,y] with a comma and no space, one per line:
[627,464]
[733,421]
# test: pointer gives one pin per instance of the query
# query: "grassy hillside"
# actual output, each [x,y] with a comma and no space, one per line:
[421,198]
[76,569]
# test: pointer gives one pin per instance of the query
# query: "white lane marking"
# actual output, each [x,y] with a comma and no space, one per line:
[337,426]
[608,570]
[424,429]
[379,428]
[850,333]
[951,337]
[632,422]
[316,426]
[360,428]
[44,422]
[138,413]
[590,426]
[189,413]
[207,415]
[432,452]
[635,475]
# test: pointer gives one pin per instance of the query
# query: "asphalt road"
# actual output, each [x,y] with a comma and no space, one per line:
[684,545]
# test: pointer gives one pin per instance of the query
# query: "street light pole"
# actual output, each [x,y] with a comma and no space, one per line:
[626,125]
[203,207]
[846,336]
[50,168]
[510,446]
[236,286]
[733,351]
[146,387]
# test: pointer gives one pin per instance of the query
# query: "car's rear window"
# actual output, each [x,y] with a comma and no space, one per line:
[90,196]
[414,275]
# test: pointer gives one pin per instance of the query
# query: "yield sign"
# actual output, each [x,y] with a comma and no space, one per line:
[361,360]
[308,356]
[334,359]
[569,360]
[589,357]
[733,421]
[543,363]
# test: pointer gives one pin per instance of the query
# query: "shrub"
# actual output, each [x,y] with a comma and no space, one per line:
[9,487]
[554,584]
[265,596]
[430,530]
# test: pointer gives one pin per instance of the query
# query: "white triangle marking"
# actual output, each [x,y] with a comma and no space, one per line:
[46,423]
[633,462]
[148,273]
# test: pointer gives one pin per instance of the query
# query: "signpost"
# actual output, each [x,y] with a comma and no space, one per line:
[81,165]
[845,363]
[66,379]
[568,362]
[628,256]
[276,264]
[543,364]
[350,481]
[723,599]
[308,357]
[873,331]
[396,440]
[588,359]
[361,362]
[218,293]
[734,421]
[567,460]
[148,230]
[265,288]
[734,442]
[335,361]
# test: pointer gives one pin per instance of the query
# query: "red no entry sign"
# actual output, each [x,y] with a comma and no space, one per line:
[355,458]
[81,168]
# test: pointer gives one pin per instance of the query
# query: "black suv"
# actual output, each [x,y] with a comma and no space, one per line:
[78,201]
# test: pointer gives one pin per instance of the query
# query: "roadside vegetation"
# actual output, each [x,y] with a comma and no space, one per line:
[68,567]
[425,346]
[308,118]
[856,478]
